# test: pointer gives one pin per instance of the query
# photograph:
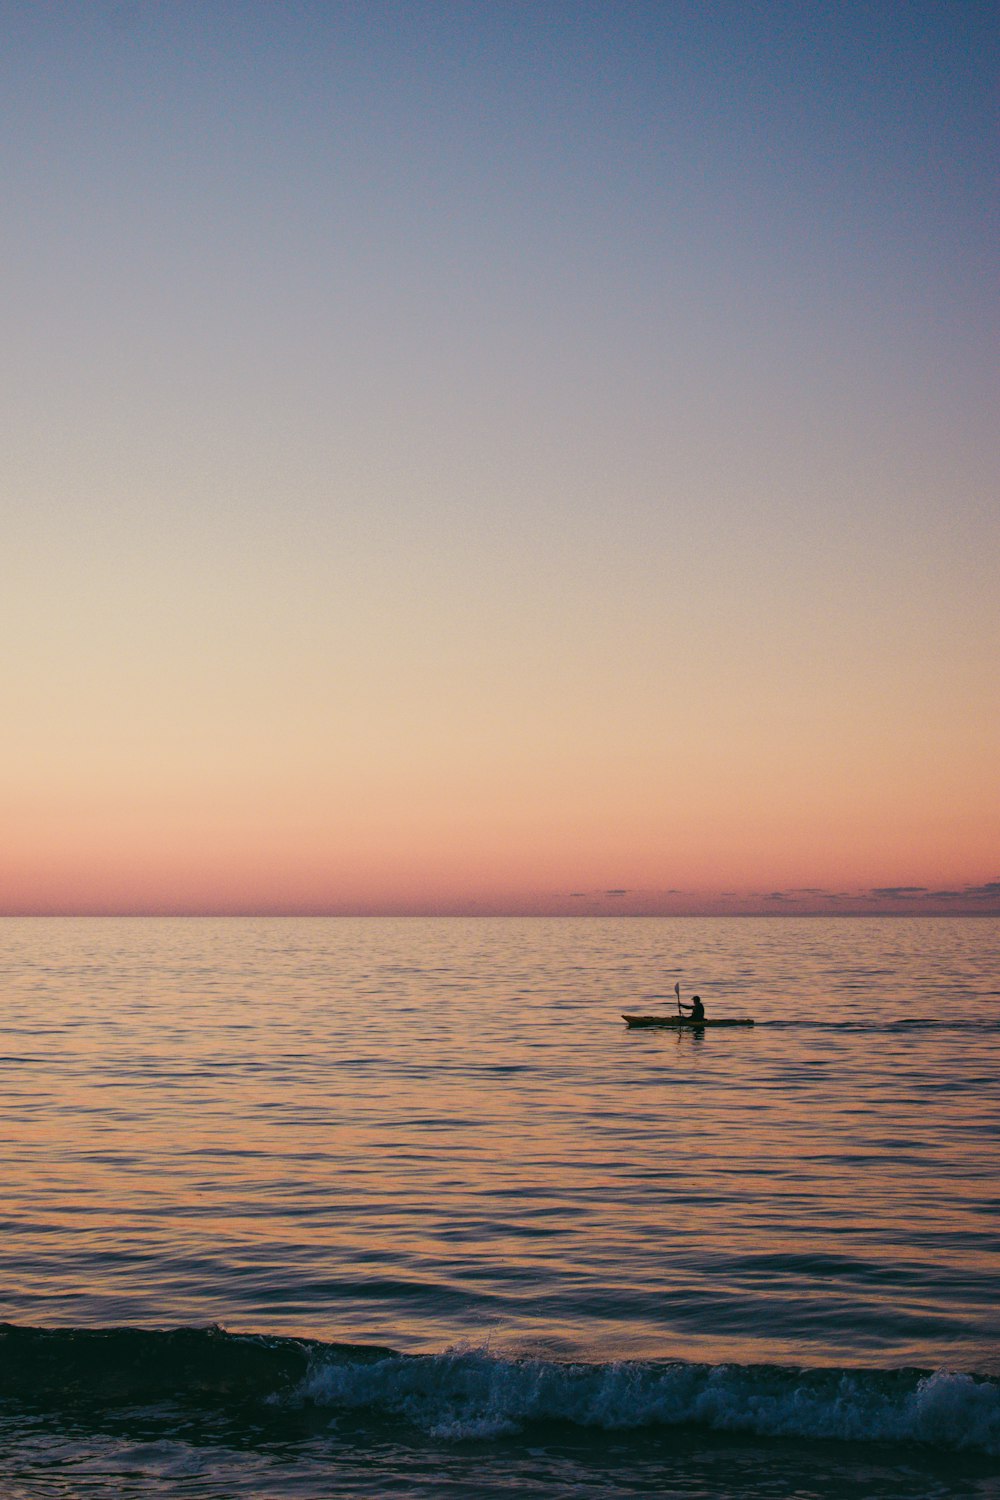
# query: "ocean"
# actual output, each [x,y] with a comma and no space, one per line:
[333,1207]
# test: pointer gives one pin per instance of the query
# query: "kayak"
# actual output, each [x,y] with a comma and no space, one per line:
[686,1021]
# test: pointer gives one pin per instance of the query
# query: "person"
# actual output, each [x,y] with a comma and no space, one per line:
[696,1008]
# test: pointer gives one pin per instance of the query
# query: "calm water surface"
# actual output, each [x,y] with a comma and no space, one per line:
[438,1136]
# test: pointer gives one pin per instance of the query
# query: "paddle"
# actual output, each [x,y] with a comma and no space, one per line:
[677,992]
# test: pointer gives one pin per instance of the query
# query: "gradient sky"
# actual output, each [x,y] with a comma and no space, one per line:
[499,457]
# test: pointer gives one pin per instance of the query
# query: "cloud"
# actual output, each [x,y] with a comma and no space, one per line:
[917,900]
[988,891]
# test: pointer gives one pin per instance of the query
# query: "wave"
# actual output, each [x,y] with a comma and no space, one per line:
[473,1393]
[115,1365]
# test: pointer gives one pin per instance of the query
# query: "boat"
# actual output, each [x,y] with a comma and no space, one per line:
[686,1021]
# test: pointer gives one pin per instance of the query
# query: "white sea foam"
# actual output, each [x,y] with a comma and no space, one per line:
[472,1394]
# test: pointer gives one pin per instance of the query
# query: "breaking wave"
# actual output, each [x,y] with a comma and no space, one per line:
[473,1393]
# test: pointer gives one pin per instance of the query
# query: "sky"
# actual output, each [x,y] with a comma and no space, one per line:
[510,457]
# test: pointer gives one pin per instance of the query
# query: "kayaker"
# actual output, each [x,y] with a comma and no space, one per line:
[696,1008]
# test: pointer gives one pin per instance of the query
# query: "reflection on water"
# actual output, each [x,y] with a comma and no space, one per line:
[422,1131]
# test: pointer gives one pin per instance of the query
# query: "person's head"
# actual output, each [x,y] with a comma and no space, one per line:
[695,999]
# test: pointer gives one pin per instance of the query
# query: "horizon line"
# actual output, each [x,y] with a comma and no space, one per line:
[492,915]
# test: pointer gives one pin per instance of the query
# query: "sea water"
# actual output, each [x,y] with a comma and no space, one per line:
[328,1207]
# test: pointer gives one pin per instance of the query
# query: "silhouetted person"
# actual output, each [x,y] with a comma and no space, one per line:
[696,1008]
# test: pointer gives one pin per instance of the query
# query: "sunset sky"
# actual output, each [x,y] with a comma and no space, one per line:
[476,457]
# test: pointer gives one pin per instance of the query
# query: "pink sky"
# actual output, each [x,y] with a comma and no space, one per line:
[434,486]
